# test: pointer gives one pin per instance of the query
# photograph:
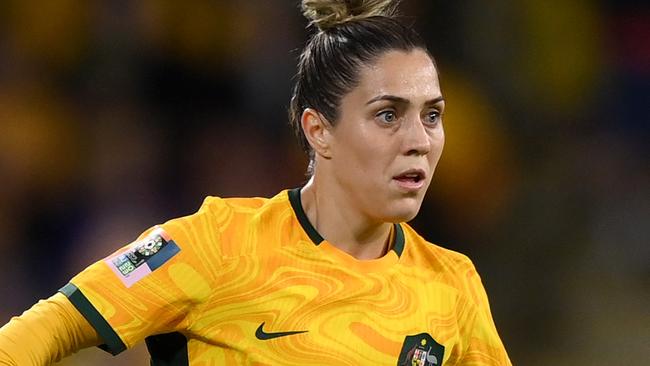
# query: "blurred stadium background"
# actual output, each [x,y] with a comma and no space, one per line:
[116,115]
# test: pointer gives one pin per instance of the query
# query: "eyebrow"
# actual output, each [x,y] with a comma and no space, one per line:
[397,99]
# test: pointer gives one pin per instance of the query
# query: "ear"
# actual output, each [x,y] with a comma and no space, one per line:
[317,130]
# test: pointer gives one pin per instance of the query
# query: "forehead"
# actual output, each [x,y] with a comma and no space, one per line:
[410,75]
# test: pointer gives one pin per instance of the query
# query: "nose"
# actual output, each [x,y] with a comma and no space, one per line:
[416,139]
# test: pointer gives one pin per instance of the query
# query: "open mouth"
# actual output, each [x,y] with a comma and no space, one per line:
[411,177]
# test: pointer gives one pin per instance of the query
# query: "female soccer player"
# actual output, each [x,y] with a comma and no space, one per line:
[325,274]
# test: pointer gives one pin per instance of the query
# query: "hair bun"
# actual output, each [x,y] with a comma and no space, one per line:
[325,14]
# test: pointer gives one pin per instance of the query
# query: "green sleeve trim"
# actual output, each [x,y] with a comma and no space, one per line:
[113,343]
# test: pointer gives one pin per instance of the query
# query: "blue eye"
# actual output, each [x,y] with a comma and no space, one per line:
[432,117]
[387,116]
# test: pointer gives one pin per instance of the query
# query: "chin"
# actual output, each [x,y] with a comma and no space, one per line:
[407,217]
[401,213]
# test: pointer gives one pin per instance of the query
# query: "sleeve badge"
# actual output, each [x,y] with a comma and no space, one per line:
[142,257]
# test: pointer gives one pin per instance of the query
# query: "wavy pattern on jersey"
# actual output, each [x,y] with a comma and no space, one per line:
[352,318]
[244,262]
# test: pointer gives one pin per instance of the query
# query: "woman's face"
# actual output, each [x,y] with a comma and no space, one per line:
[389,136]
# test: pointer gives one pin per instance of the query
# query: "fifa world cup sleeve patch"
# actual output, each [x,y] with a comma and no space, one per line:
[142,257]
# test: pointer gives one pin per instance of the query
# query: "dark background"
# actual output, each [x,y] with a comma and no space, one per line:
[117,115]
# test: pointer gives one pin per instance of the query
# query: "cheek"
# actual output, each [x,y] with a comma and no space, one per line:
[359,148]
[437,145]
[440,142]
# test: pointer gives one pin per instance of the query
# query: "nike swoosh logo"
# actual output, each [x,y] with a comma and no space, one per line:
[264,336]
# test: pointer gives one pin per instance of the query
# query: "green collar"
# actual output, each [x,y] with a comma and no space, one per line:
[296,203]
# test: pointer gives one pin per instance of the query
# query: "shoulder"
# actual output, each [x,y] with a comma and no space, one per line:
[456,271]
[220,213]
[227,224]
[445,265]
[435,257]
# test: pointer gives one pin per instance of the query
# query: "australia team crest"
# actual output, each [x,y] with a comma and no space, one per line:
[421,350]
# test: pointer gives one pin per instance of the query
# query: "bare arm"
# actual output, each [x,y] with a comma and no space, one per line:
[49,331]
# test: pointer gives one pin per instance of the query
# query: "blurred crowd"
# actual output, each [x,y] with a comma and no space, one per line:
[117,115]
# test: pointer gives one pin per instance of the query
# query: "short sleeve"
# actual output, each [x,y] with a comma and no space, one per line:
[152,286]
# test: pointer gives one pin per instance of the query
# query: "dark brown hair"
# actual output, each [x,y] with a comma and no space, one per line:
[349,35]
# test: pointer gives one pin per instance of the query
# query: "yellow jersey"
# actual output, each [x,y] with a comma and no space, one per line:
[249,281]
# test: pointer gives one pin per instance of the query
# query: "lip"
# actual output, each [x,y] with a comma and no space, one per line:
[411,185]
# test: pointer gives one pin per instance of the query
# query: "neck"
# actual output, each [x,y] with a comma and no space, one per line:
[343,226]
